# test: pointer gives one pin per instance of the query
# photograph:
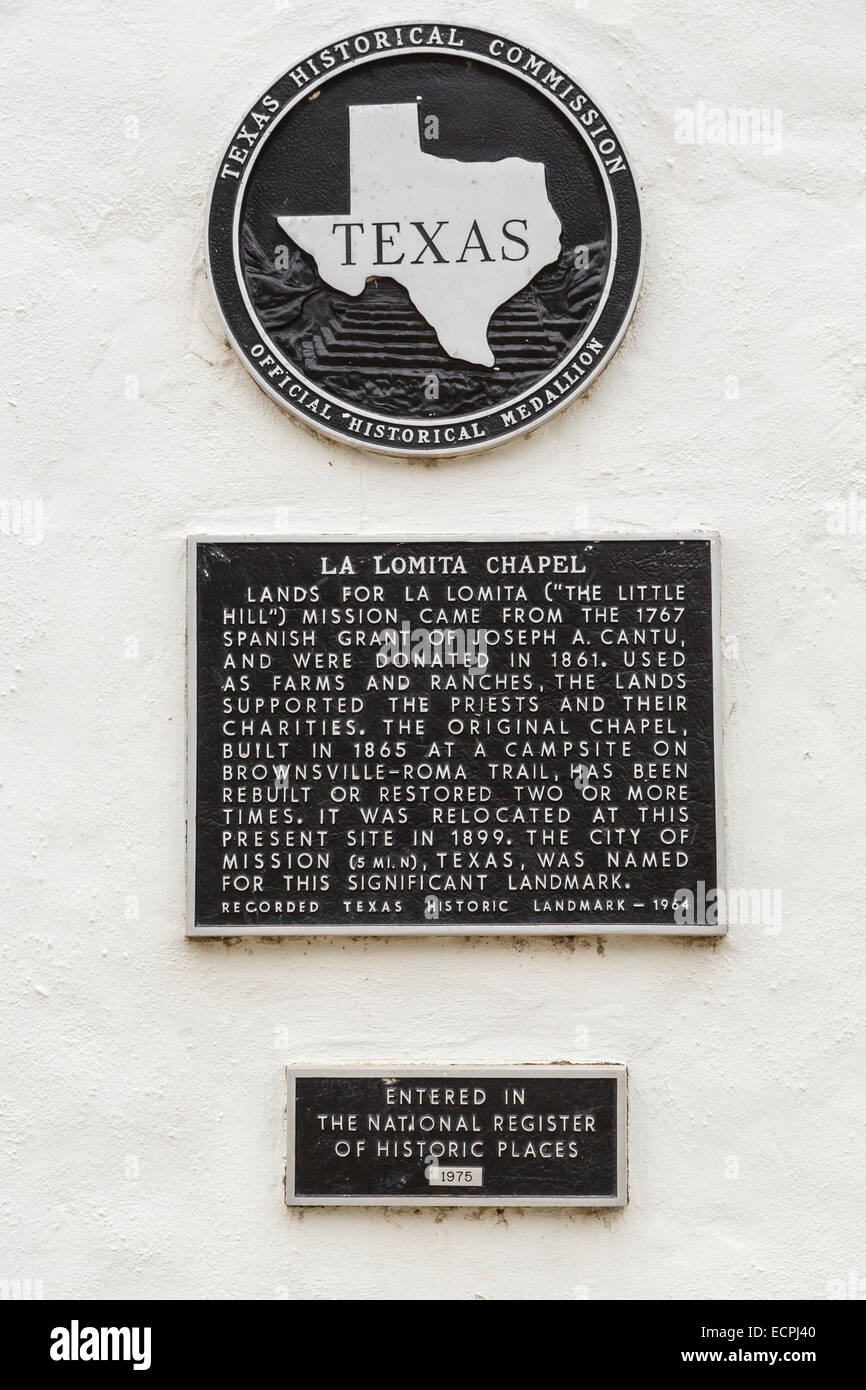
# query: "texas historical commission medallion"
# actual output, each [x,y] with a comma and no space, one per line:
[424,239]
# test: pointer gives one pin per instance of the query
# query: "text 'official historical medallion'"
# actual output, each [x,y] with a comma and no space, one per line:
[424,239]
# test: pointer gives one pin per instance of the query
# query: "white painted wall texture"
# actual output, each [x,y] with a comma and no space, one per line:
[142,1128]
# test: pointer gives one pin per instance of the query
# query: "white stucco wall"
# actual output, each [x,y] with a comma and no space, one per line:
[142,1130]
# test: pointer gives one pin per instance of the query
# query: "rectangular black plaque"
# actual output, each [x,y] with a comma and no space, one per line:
[457,1136]
[459,735]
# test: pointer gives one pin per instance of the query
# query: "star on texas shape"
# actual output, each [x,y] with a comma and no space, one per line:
[462,238]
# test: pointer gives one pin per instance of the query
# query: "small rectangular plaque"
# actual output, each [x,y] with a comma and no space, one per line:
[477,1136]
[436,736]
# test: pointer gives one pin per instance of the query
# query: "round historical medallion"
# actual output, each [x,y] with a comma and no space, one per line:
[424,239]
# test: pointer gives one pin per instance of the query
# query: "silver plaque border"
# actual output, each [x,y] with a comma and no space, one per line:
[416,929]
[530,1071]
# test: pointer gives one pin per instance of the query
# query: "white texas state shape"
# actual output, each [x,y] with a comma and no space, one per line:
[461,237]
